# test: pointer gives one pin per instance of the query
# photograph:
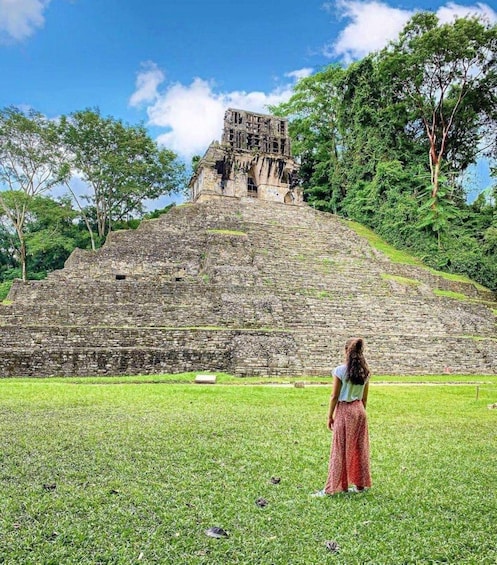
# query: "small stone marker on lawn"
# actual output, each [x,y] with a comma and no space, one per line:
[206,379]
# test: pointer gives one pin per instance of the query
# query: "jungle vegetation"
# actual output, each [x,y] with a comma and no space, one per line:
[390,141]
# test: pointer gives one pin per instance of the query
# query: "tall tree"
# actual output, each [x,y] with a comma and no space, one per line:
[30,165]
[442,73]
[121,165]
[407,122]
[314,129]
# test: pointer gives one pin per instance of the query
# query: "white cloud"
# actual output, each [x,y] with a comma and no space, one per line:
[193,114]
[147,83]
[373,24]
[20,18]
[452,10]
[300,73]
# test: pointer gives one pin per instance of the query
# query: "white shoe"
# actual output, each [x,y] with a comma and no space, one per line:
[354,489]
[319,493]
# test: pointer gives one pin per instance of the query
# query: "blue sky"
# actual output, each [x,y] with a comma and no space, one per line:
[176,65]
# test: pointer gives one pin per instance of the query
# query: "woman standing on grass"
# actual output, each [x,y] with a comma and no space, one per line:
[349,459]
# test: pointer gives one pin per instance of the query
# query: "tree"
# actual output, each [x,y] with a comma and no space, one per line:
[121,165]
[315,133]
[30,165]
[363,135]
[52,233]
[444,73]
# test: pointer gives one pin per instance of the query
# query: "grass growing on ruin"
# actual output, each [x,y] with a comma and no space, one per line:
[401,280]
[395,255]
[451,294]
[227,232]
[404,258]
[4,290]
[135,473]
[460,278]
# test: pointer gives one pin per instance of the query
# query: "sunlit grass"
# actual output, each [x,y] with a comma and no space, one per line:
[395,255]
[451,294]
[460,278]
[227,379]
[136,472]
[398,256]
[227,232]
[401,280]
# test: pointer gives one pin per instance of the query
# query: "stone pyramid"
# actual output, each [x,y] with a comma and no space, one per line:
[246,287]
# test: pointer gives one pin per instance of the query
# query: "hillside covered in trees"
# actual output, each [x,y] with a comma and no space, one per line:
[388,141]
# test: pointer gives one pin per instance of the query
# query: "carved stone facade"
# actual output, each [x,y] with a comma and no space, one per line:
[253,160]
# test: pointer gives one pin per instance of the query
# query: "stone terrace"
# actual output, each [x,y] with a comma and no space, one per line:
[246,287]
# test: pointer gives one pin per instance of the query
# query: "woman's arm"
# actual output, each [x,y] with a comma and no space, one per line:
[337,387]
[365,394]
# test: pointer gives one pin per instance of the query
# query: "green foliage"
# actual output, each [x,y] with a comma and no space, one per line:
[4,289]
[154,214]
[195,161]
[315,135]
[120,164]
[385,142]
[441,73]
[30,165]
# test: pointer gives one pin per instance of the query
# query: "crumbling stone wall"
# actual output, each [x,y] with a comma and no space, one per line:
[253,160]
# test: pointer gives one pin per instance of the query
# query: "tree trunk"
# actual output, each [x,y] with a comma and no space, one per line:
[22,259]
[435,177]
[85,217]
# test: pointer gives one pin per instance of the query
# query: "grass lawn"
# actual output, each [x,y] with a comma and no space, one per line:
[95,471]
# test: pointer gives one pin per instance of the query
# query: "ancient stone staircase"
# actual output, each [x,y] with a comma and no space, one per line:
[247,287]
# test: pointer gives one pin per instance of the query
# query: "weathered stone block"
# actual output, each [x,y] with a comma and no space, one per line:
[205,379]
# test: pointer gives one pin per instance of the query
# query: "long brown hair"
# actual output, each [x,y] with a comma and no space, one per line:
[357,367]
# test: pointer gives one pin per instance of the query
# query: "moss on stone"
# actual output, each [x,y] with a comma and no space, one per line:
[451,294]
[228,232]
[315,293]
[401,280]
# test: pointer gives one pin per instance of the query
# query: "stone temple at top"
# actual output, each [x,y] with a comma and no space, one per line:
[253,160]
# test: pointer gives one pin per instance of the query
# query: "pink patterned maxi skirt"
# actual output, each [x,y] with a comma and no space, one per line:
[349,459]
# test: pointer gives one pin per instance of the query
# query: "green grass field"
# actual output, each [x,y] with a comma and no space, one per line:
[129,471]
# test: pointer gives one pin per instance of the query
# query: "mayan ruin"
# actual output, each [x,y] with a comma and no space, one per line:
[248,287]
[253,159]
[245,279]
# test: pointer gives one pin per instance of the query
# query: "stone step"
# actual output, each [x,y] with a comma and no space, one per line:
[249,353]
[247,288]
